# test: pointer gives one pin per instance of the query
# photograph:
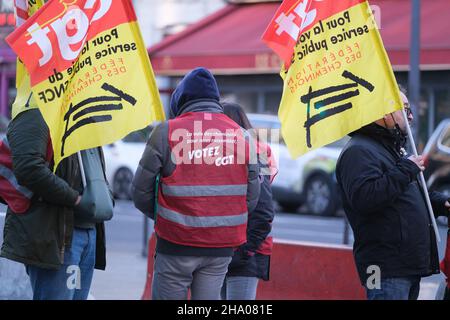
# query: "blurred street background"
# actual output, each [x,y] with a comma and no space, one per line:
[125,276]
[224,36]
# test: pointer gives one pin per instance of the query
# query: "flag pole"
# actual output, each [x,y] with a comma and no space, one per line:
[83,175]
[422,178]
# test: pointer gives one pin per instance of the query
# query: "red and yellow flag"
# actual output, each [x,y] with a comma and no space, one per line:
[337,76]
[89,72]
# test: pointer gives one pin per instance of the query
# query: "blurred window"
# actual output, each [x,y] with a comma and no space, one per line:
[442,104]
[247,99]
[272,102]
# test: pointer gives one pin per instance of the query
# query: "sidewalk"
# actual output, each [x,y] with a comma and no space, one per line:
[124,278]
[126,275]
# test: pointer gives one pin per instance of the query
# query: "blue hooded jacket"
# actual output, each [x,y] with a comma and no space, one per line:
[198,85]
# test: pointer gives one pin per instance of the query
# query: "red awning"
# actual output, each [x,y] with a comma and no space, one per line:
[229,41]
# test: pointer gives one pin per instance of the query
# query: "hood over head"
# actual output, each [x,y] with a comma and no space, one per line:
[198,85]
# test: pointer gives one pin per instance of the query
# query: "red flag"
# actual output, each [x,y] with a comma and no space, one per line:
[294,17]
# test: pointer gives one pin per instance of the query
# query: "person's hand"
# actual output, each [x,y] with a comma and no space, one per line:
[84,206]
[240,257]
[419,161]
[447,205]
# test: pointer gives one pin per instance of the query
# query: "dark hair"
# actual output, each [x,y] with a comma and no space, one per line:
[237,114]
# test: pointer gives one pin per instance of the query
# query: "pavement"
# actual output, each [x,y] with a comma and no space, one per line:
[124,279]
[125,276]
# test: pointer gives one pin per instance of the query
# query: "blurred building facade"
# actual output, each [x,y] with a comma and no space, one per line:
[160,18]
[228,42]
[157,18]
[224,36]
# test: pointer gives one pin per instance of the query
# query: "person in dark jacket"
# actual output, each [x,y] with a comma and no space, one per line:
[201,206]
[251,261]
[57,245]
[395,244]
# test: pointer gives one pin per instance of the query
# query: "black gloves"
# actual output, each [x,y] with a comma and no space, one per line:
[241,257]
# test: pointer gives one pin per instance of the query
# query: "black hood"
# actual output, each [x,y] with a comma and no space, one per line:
[197,86]
[393,138]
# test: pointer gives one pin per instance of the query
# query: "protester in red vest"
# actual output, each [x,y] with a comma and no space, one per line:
[251,261]
[207,186]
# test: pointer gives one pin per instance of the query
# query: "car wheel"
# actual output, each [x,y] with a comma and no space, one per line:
[319,195]
[445,189]
[288,207]
[122,184]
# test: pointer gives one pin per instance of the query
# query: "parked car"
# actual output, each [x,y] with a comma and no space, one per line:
[309,180]
[437,161]
[122,159]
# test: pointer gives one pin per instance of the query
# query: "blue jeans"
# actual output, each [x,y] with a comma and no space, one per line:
[73,279]
[404,288]
[240,288]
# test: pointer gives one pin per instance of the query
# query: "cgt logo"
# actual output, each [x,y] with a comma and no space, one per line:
[70,29]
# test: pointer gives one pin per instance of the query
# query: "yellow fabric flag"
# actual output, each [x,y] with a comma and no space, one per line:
[24,99]
[339,78]
[89,72]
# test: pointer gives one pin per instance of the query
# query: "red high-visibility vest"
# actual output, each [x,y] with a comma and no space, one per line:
[203,203]
[17,197]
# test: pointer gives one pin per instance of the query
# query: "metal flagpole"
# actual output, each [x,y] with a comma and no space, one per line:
[422,178]
[83,175]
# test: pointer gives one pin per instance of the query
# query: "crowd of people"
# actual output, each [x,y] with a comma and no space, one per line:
[201,180]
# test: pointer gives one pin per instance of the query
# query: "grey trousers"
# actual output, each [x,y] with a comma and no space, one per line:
[173,276]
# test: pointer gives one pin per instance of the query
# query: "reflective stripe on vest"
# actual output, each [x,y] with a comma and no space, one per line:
[204,204]
[204,191]
[202,222]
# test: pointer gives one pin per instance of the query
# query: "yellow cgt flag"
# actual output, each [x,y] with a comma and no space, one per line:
[90,74]
[24,99]
[339,78]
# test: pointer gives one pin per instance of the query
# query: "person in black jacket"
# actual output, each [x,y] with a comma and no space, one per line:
[395,244]
[251,261]
[58,246]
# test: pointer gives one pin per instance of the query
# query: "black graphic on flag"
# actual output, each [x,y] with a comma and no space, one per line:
[81,114]
[340,96]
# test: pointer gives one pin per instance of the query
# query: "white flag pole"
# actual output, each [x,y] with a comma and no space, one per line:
[83,175]
[422,178]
